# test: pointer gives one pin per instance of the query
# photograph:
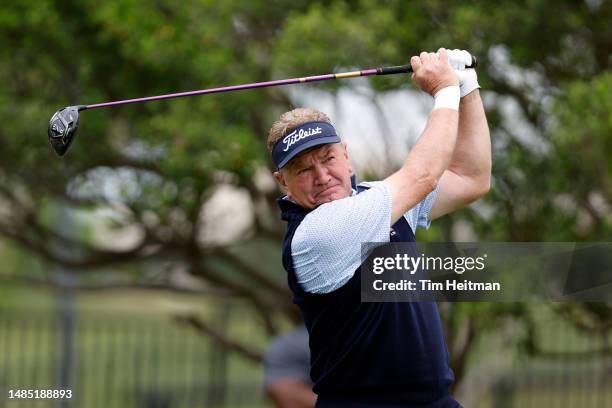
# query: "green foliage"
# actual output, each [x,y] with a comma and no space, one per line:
[584,115]
[166,159]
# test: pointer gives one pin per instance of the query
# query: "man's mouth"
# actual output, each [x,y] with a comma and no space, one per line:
[327,190]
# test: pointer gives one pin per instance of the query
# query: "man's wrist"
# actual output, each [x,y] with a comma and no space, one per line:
[447,97]
[472,97]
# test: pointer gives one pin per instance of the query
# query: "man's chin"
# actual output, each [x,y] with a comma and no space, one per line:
[332,196]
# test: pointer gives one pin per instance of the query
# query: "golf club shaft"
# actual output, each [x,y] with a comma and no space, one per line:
[400,69]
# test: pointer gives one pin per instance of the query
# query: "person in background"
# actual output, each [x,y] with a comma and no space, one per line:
[286,371]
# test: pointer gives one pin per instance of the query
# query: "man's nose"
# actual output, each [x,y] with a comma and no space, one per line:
[321,174]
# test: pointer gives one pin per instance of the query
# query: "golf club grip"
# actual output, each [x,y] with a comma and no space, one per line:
[399,69]
[403,69]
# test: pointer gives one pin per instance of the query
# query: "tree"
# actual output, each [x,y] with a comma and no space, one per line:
[167,159]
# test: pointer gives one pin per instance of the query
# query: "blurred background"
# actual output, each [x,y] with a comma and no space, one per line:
[143,268]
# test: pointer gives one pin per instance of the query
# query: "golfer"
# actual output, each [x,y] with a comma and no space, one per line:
[376,354]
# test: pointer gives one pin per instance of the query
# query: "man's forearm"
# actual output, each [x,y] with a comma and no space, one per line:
[291,393]
[432,153]
[472,155]
[425,163]
[435,148]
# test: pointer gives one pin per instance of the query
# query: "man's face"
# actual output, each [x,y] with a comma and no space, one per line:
[317,176]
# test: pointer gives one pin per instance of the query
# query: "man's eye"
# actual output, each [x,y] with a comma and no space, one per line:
[330,158]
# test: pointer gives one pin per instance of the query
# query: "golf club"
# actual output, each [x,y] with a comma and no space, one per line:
[65,122]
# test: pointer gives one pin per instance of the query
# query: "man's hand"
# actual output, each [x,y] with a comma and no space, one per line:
[433,72]
[468,80]
[459,59]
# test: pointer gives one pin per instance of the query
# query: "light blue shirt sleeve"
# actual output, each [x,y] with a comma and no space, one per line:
[418,216]
[326,247]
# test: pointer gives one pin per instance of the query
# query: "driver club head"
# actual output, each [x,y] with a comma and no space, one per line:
[62,128]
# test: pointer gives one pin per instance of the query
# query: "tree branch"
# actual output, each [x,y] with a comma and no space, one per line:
[95,259]
[199,325]
[252,272]
[264,307]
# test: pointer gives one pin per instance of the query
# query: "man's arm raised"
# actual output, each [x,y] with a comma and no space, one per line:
[431,155]
[468,176]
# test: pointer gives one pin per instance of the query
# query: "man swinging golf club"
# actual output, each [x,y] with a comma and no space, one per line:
[376,354]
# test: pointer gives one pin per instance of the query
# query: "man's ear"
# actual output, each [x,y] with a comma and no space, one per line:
[345,150]
[278,176]
[346,156]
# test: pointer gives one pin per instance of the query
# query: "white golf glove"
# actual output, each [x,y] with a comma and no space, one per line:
[459,59]
[468,80]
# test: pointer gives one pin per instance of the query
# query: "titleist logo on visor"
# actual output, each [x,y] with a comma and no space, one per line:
[303,137]
[297,135]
